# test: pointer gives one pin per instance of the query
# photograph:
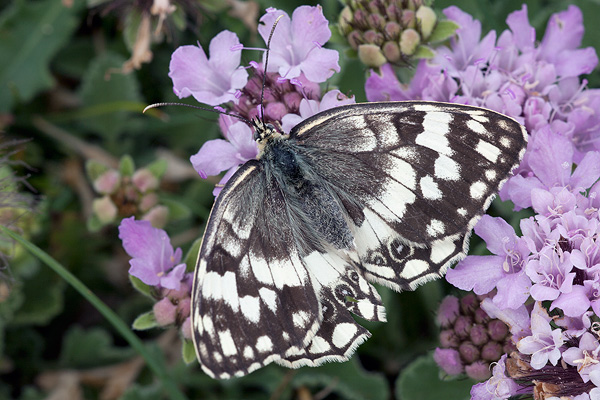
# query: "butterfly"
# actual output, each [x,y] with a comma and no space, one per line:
[376,192]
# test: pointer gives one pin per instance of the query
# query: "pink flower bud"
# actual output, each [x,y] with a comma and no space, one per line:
[148,201]
[158,216]
[186,328]
[144,180]
[165,312]
[108,182]
[105,209]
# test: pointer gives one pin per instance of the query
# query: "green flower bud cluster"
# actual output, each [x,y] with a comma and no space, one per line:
[393,31]
[470,340]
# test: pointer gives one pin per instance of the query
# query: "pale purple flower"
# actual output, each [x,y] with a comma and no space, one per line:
[296,45]
[551,275]
[544,343]
[154,261]
[498,387]
[503,271]
[308,108]
[585,356]
[220,155]
[213,80]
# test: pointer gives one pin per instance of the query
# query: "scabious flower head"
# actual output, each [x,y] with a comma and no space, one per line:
[470,339]
[297,64]
[391,31]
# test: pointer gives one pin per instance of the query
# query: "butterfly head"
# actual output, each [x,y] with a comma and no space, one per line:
[264,133]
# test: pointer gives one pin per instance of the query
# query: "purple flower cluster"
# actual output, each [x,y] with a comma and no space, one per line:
[545,282]
[156,264]
[298,62]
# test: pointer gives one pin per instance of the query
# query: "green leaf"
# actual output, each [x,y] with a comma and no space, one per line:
[177,210]
[83,349]
[423,52]
[94,169]
[94,224]
[421,381]
[192,255]
[158,168]
[126,165]
[443,30]
[145,321]
[104,90]
[187,351]
[349,380]
[141,287]
[31,33]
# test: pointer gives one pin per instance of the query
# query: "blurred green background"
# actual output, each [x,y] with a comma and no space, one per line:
[69,87]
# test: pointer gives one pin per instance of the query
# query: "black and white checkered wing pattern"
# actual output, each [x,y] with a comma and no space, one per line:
[260,295]
[414,178]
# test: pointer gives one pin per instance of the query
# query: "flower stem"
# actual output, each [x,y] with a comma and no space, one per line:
[158,369]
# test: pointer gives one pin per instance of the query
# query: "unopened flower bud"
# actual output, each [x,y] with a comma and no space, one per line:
[409,40]
[276,110]
[426,19]
[448,311]
[148,201]
[373,37]
[371,55]
[354,39]
[108,182]
[497,330]
[360,17]
[144,180]
[408,19]
[164,312]
[376,21]
[491,351]
[292,99]
[462,326]
[104,209]
[448,338]
[392,29]
[186,328]
[469,353]
[478,335]
[479,370]
[391,51]
[183,308]
[480,316]
[158,216]
[468,303]
[448,360]
[344,20]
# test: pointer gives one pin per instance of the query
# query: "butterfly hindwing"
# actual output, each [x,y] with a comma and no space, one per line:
[264,291]
[414,177]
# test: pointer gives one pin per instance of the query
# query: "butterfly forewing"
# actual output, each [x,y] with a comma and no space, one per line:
[414,177]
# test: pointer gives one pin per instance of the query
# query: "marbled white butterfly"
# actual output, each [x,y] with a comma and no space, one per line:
[381,192]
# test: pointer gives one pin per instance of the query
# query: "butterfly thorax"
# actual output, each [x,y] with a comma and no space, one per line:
[310,198]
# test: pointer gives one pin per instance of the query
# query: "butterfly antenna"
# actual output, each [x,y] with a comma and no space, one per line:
[156,105]
[262,92]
